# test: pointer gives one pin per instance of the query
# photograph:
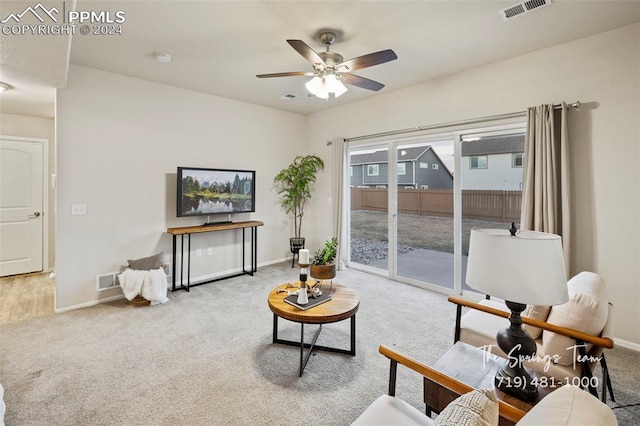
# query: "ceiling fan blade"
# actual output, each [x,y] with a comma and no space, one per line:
[308,53]
[369,60]
[365,83]
[285,74]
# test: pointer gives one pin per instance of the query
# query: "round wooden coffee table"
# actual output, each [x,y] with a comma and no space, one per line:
[343,305]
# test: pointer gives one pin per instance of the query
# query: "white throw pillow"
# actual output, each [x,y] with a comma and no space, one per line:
[537,312]
[478,407]
[569,405]
[586,311]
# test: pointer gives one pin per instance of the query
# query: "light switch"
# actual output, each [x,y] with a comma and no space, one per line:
[78,209]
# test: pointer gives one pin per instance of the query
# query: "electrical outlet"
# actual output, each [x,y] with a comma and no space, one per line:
[78,209]
[209,251]
[199,253]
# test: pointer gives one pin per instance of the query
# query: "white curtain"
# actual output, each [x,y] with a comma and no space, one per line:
[338,198]
[545,195]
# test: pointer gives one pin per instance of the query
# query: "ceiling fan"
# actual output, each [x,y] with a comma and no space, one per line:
[330,69]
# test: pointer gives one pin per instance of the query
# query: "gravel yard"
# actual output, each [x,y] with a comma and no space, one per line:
[369,239]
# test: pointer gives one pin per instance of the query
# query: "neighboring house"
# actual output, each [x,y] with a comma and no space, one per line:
[493,163]
[418,168]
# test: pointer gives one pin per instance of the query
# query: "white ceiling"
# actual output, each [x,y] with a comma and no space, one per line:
[218,47]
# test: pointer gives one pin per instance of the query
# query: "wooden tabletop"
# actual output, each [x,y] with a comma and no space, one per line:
[212,228]
[343,304]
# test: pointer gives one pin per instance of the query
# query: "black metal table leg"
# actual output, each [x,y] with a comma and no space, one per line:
[243,249]
[275,329]
[254,253]
[312,346]
[182,261]
[173,267]
[353,335]
[188,262]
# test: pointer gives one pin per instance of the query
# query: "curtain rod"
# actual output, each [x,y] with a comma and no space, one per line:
[574,105]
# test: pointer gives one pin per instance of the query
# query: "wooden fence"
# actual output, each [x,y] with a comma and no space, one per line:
[491,205]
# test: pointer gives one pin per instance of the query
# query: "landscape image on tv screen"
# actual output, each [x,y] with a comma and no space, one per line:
[211,191]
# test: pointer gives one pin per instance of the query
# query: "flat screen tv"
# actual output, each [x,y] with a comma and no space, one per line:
[203,192]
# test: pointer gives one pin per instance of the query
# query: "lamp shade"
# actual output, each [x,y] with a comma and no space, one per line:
[525,268]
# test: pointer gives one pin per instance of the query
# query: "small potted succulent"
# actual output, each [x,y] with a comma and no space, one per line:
[323,266]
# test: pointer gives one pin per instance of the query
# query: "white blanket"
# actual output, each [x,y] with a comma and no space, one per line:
[152,285]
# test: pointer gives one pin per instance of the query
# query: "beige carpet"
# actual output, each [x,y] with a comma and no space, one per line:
[206,357]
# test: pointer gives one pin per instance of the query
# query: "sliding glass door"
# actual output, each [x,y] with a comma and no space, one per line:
[414,201]
[401,210]
[491,175]
[424,222]
[369,199]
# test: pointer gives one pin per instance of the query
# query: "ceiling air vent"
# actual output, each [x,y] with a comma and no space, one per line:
[522,8]
[288,96]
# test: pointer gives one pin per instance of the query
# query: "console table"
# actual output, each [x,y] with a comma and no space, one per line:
[188,230]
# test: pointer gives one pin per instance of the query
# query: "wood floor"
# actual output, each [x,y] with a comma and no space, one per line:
[26,296]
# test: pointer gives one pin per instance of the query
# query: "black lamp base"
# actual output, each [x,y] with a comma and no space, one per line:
[512,378]
[519,385]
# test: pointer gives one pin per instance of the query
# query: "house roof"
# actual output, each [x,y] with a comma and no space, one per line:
[380,157]
[495,145]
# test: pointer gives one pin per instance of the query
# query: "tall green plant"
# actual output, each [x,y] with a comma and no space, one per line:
[294,186]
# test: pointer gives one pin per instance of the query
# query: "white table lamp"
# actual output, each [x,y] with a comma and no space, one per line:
[521,267]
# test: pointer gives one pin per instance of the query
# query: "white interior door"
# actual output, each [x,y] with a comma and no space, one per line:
[21,206]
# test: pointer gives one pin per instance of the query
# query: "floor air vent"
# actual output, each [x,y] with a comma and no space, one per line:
[107,281]
[522,8]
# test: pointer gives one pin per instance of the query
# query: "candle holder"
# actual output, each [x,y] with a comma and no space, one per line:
[303,299]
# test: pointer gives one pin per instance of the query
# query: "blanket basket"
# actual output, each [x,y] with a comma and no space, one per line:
[140,301]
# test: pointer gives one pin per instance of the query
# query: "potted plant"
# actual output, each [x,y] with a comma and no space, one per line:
[323,266]
[294,186]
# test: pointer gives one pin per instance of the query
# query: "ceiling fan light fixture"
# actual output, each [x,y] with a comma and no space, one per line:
[316,86]
[334,85]
[322,91]
[330,69]
[322,87]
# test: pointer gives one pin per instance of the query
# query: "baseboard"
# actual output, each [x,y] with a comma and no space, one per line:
[221,274]
[194,279]
[627,344]
[87,304]
[273,262]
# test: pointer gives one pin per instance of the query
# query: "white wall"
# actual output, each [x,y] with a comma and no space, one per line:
[119,142]
[43,128]
[603,72]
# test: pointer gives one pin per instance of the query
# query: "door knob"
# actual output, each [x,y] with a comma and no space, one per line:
[36,214]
